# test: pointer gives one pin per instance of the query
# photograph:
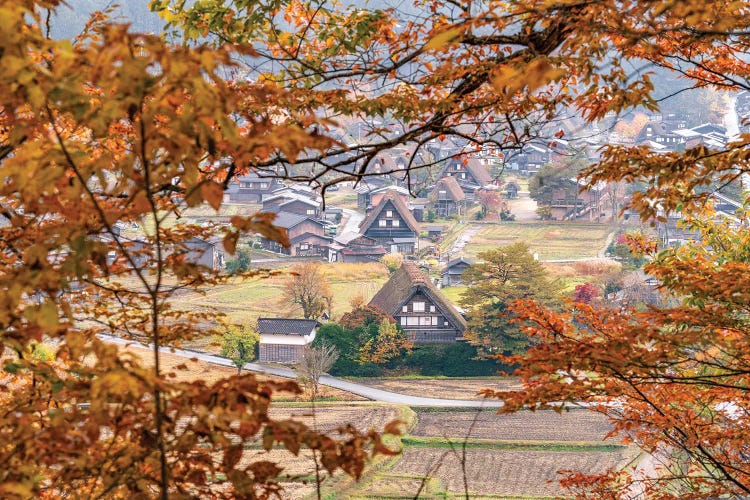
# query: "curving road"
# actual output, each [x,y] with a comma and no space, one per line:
[337,383]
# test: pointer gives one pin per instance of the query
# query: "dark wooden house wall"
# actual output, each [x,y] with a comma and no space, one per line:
[384,234]
[439,328]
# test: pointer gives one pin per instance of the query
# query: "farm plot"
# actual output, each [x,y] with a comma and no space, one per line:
[573,426]
[448,388]
[328,418]
[505,472]
[549,240]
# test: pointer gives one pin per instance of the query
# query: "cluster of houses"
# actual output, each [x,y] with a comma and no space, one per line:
[409,297]
[391,217]
[391,214]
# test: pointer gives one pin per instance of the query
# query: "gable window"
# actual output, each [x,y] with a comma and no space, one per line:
[310,211]
[263,185]
[382,223]
[405,309]
[463,175]
[432,309]
[395,223]
[403,319]
[417,307]
[389,213]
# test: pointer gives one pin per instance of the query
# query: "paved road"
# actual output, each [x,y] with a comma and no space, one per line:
[358,389]
[352,223]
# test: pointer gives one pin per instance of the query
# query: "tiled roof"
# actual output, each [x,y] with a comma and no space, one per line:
[458,261]
[289,220]
[286,326]
[404,283]
[401,208]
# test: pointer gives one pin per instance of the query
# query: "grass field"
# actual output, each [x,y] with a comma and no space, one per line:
[550,240]
[245,301]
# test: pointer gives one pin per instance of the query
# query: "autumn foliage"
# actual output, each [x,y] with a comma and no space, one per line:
[114,130]
[117,128]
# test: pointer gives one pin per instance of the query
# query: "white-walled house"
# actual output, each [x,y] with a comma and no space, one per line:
[282,339]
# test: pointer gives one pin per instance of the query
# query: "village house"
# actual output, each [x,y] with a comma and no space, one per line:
[369,195]
[453,270]
[569,203]
[292,203]
[447,197]
[434,232]
[529,159]
[282,340]
[659,135]
[356,248]
[306,235]
[512,189]
[470,174]
[392,225]
[424,313]
[252,188]
[204,253]
[417,207]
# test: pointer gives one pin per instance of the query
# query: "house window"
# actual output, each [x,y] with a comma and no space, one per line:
[428,320]
[432,309]
[403,319]
[389,213]
[263,185]
[310,211]
[463,175]
[381,223]
[412,321]
[395,223]
[304,246]
[417,307]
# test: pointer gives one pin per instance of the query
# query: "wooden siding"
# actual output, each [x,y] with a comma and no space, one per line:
[439,328]
[385,234]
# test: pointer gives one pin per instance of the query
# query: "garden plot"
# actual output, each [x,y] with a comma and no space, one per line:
[549,240]
[328,418]
[572,426]
[505,472]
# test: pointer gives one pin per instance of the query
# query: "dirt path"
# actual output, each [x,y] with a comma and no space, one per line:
[523,207]
[463,240]
[603,251]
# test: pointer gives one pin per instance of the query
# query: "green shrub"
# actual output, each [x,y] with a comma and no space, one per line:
[450,360]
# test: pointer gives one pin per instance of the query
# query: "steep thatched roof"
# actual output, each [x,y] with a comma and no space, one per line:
[404,283]
[451,187]
[400,206]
